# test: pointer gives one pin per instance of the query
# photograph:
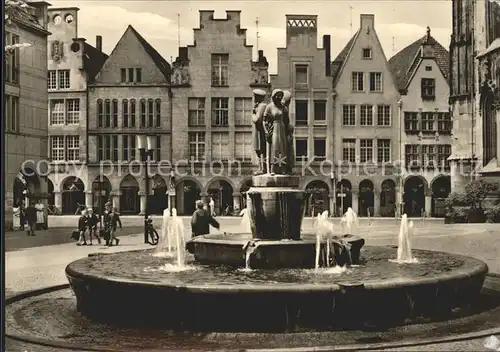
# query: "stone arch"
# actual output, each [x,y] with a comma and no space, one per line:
[244,187]
[388,198]
[26,185]
[344,195]
[101,193]
[366,203]
[73,195]
[415,189]
[319,199]
[489,125]
[219,178]
[441,189]
[129,195]
[158,198]
[221,190]
[188,191]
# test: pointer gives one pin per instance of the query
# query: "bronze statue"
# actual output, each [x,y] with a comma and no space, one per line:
[290,158]
[276,135]
[258,132]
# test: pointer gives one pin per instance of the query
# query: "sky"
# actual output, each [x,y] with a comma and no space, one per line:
[398,23]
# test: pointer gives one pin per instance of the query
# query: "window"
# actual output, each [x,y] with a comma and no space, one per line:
[319,149]
[196,146]
[107,148]
[132,112]
[320,111]
[383,115]
[444,151]
[366,115]
[115,113]
[375,81]
[367,53]
[12,113]
[243,149]
[130,75]
[428,88]
[220,146]
[444,122]
[301,149]
[151,113]
[428,68]
[220,111]
[301,75]
[157,112]
[107,113]
[243,111]
[128,145]
[196,114]
[11,60]
[358,81]
[157,150]
[138,75]
[220,70]
[428,156]
[57,148]
[123,74]
[412,156]
[142,112]
[301,116]
[51,79]
[73,111]
[427,121]
[73,148]
[100,113]
[349,115]
[383,150]
[64,79]
[125,114]
[411,122]
[366,150]
[57,112]
[349,150]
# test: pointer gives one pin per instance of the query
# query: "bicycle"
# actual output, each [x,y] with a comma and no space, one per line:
[153,237]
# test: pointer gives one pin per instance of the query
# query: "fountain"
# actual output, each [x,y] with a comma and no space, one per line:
[280,287]
[164,247]
[404,254]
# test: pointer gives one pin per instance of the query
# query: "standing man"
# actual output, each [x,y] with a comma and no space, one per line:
[201,221]
[258,134]
[31,212]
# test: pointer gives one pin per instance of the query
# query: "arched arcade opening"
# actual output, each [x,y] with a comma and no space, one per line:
[366,198]
[414,196]
[319,200]
[187,193]
[441,189]
[158,200]
[222,194]
[101,192]
[130,201]
[344,196]
[388,198]
[73,196]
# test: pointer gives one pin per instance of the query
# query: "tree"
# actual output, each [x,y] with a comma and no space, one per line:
[13,9]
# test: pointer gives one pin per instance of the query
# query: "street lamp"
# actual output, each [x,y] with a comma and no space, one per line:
[333,178]
[145,144]
[171,190]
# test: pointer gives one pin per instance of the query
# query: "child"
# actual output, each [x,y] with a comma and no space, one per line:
[82,228]
[92,222]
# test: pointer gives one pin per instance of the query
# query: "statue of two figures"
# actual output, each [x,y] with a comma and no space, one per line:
[272,132]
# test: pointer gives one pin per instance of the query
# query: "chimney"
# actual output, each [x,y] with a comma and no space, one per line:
[328,59]
[183,54]
[261,55]
[367,22]
[98,42]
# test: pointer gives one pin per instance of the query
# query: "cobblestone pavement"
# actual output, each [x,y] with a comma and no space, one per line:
[32,268]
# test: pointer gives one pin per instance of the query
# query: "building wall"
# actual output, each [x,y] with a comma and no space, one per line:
[29,141]
[389,95]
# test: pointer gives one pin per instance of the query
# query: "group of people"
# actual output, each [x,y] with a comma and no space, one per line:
[30,216]
[272,132]
[88,221]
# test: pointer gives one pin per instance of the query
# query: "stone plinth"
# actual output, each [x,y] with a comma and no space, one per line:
[276,206]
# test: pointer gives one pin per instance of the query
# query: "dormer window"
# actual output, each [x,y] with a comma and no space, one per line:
[131,75]
[367,53]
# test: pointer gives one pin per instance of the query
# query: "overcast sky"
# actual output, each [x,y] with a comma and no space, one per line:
[157,21]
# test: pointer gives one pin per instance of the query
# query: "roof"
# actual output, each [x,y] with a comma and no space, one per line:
[494,46]
[341,57]
[406,61]
[93,60]
[162,64]
[24,16]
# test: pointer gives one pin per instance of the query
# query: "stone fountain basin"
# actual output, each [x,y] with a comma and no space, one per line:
[117,288]
[229,249]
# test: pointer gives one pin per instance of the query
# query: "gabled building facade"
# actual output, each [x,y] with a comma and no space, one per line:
[421,70]
[305,71]
[25,114]
[72,64]
[212,83]
[367,124]
[130,96]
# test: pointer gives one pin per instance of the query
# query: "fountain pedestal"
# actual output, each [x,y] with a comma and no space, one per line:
[276,207]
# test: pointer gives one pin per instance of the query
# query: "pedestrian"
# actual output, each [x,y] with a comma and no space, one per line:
[201,221]
[212,207]
[82,228]
[31,218]
[22,216]
[112,219]
[40,217]
[92,221]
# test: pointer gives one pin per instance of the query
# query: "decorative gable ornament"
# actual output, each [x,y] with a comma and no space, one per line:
[57,50]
